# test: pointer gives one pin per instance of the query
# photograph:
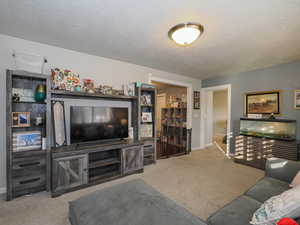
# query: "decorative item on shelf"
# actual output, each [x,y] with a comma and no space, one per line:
[40,93]
[130,132]
[106,90]
[265,102]
[131,89]
[146,117]
[146,131]
[64,79]
[88,85]
[297,99]
[59,123]
[24,95]
[117,92]
[15,98]
[21,119]
[272,117]
[25,141]
[146,99]
[77,88]
[196,99]
[39,120]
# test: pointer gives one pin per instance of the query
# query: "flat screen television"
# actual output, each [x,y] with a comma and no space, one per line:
[97,123]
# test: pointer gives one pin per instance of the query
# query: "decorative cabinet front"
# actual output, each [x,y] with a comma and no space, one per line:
[133,159]
[69,172]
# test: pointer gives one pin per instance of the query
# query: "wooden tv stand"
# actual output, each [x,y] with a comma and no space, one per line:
[78,166]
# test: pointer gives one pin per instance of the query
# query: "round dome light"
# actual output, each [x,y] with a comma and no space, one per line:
[186,33]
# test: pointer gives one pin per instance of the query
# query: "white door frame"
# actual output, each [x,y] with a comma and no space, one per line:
[189,94]
[207,107]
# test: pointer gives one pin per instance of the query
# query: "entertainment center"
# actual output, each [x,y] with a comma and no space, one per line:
[71,156]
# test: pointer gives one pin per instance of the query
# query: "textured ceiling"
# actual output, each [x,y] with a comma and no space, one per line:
[239,35]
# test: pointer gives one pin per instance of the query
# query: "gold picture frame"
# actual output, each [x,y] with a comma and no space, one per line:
[20,119]
[297,99]
[263,102]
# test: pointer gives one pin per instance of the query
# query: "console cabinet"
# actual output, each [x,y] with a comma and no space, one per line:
[254,151]
[133,160]
[70,172]
[75,167]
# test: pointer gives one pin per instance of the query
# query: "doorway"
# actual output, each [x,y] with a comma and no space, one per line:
[220,117]
[216,117]
[171,119]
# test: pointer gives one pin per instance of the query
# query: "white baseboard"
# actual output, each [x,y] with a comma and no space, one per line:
[208,145]
[2,190]
[196,148]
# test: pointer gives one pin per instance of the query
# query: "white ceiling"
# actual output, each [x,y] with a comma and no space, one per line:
[239,35]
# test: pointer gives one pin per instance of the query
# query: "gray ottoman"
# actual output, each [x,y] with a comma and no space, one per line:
[131,203]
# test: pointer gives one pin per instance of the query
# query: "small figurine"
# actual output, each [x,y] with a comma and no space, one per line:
[16,98]
[272,117]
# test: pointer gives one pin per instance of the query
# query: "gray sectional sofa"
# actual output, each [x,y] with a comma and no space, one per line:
[137,203]
[279,174]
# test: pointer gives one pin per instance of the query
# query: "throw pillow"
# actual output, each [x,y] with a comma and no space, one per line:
[286,204]
[296,180]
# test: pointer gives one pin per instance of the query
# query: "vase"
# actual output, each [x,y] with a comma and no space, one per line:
[40,93]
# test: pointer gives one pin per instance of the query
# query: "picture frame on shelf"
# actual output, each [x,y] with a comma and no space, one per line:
[26,141]
[196,98]
[20,119]
[297,99]
[59,123]
[263,102]
[147,117]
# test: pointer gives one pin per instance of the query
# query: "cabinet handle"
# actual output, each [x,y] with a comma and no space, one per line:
[30,164]
[30,181]
[147,146]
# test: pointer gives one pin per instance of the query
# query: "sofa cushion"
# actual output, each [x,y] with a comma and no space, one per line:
[238,212]
[266,188]
[131,203]
[284,205]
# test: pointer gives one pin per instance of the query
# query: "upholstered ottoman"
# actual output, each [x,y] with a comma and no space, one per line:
[131,203]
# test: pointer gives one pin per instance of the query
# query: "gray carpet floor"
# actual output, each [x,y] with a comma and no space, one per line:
[201,182]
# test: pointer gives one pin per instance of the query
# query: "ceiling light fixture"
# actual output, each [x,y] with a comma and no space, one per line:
[186,33]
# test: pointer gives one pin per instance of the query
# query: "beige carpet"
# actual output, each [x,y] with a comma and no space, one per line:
[201,182]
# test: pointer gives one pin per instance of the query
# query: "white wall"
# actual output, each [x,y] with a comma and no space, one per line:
[102,70]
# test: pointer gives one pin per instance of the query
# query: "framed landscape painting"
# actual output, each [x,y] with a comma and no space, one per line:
[267,102]
[297,99]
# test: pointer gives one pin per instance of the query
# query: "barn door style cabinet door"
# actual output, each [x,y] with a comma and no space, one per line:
[133,159]
[70,172]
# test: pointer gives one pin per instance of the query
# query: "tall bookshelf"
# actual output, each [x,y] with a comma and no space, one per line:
[27,169]
[174,133]
[147,130]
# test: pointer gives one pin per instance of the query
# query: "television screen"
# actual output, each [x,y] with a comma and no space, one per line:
[98,123]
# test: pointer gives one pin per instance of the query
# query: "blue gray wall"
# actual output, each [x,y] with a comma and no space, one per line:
[285,77]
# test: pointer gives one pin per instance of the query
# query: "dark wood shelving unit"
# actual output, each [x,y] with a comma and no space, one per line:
[27,170]
[174,134]
[71,167]
[150,140]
